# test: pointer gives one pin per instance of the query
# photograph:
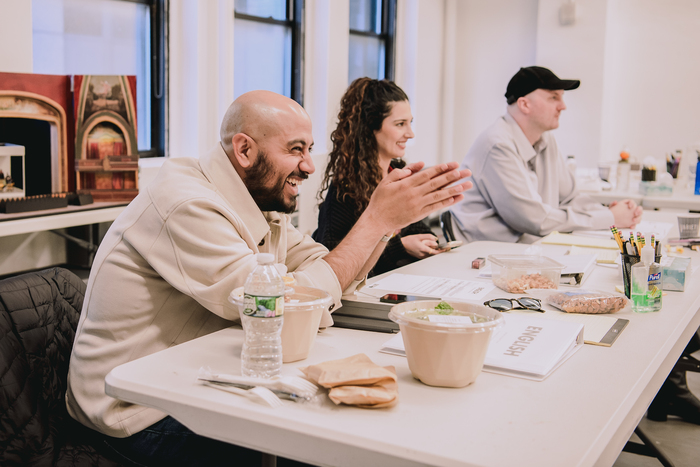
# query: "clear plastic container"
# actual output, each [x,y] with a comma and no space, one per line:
[303,309]
[519,273]
[445,350]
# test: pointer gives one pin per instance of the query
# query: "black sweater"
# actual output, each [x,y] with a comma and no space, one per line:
[336,218]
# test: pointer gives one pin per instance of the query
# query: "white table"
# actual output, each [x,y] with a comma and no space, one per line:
[583,414]
[607,197]
[687,202]
[51,219]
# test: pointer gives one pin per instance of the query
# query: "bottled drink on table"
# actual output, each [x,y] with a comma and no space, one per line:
[697,177]
[571,163]
[623,171]
[262,320]
[647,283]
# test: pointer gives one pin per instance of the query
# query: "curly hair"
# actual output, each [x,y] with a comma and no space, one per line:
[354,163]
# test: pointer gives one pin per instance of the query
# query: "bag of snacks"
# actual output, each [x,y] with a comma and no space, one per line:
[587,301]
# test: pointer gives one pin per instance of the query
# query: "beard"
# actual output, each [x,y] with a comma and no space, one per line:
[269,198]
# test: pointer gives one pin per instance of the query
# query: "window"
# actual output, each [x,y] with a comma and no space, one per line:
[372,32]
[268,47]
[109,37]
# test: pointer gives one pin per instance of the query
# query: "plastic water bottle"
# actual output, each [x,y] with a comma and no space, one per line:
[262,319]
[571,163]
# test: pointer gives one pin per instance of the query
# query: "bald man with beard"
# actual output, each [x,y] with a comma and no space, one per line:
[166,266]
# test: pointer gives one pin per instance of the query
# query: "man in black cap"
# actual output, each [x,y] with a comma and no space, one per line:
[523,189]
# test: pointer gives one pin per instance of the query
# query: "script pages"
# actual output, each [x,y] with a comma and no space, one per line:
[532,347]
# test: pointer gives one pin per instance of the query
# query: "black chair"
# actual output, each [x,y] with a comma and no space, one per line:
[446,226]
[39,314]
[673,391]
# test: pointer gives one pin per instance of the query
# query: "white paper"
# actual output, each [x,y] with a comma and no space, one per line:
[659,229]
[433,287]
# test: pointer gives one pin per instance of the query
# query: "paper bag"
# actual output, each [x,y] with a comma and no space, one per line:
[356,381]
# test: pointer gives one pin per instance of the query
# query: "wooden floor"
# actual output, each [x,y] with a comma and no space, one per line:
[679,441]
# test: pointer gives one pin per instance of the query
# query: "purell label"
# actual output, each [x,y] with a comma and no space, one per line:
[654,277]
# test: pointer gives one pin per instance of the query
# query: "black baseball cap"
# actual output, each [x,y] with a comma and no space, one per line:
[530,78]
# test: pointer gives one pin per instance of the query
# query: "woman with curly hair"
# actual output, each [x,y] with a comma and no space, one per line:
[374,124]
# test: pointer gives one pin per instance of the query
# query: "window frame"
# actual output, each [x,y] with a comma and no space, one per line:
[294,21]
[159,77]
[387,34]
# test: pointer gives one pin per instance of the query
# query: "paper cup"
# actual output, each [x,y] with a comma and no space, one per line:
[302,315]
[303,309]
[446,354]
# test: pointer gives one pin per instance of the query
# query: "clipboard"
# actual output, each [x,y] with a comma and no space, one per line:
[577,268]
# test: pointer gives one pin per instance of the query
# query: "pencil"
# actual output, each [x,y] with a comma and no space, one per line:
[618,239]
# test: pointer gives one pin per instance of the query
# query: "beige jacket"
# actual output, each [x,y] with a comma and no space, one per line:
[163,273]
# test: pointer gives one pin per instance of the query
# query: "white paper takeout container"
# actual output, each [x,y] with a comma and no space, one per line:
[303,309]
[446,354]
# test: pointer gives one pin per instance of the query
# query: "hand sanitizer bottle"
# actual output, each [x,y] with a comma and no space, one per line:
[647,283]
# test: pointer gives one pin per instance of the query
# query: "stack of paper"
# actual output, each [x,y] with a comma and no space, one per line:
[556,238]
[432,287]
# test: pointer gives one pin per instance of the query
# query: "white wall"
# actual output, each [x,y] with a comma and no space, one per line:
[493,40]
[16,36]
[201,73]
[638,62]
[652,97]
[419,72]
[325,81]
[576,52]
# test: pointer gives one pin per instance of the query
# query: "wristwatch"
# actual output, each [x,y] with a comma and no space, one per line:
[386,238]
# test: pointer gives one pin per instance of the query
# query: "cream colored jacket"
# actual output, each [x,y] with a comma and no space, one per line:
[164,271]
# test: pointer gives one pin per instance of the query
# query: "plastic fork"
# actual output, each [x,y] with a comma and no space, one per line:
[293,384]
[257,394]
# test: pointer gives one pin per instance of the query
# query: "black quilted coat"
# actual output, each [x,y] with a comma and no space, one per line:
[39,313]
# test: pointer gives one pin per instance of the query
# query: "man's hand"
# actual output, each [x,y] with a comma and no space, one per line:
[409,194]
[421,245]
[626,213]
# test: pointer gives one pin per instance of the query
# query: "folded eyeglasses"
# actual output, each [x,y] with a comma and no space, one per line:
[506,304]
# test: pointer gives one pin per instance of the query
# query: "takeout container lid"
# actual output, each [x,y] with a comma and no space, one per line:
[304,298]
[525,262]
[494,318]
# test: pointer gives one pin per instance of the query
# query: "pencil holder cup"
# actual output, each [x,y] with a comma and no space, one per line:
[688,226]
[627,262]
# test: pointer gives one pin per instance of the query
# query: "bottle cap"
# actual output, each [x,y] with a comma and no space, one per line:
[647,255]
[265,258]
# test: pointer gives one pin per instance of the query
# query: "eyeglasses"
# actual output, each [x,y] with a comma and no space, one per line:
[506,304]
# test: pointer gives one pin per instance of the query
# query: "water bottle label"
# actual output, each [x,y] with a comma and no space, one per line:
[261,306]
